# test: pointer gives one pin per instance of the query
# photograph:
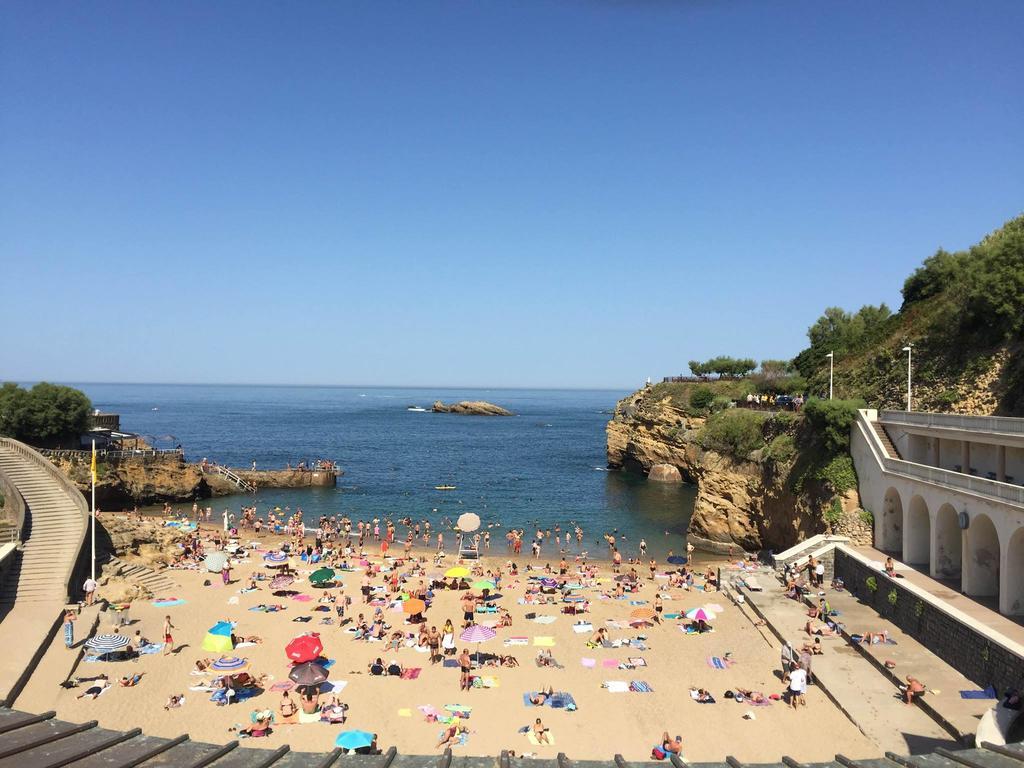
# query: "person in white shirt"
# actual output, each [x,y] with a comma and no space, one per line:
[89,587]
[819,573]
[797,687]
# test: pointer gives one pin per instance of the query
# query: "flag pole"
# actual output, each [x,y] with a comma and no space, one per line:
[92,573]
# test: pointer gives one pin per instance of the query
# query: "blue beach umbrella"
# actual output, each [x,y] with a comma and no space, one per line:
[218,638]
[276,558]
[229,664]
[353,739]
[677,560]
[107,643]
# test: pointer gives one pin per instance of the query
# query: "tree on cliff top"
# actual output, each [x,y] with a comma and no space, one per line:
[723,366]
[43,415]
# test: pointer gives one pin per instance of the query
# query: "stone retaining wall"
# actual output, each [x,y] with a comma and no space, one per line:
[967,649]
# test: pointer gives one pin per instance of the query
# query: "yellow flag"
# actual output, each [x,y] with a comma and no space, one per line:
[94,463]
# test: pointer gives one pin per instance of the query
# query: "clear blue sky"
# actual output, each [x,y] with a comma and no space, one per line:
[576,193]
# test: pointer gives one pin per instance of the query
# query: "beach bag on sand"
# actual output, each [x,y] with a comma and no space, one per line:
[657,753]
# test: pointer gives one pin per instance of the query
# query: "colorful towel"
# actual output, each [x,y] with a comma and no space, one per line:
[610,663]
[582,628]
[167,602]
[717,662]
[412,673]
[282,685]
[305,719]
[450,663]
[544,642]
[588,663]
[637,661]
[615,686]
[146,650]
[517,641]
[302,598]
[640,686]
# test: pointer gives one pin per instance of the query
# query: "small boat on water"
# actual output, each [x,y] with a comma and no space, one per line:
[416,409]
[444,487]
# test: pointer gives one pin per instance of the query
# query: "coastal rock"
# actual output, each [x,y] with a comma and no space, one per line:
[740,502]
[665,473]
[471,408]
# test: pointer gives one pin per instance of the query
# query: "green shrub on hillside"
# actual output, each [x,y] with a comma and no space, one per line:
[839,473]
[830,422]
[781,449]
[736,431]
[701,398]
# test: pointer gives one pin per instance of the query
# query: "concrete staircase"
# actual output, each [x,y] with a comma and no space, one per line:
[883,437]
[157,583]
[53,532]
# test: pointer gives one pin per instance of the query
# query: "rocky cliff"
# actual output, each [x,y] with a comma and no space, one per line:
[750,501]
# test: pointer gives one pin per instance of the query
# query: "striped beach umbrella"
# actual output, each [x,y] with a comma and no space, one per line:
[699,614]
[230,664]
[107,643]
[275,558]
[477,633]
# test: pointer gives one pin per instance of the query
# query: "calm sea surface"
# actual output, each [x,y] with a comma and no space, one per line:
[545,466]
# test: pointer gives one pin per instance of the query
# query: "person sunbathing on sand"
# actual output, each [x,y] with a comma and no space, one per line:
[287,708]
[755,697]
[203,664]
[450,734]
[541,696]
[540,732]
[101,684]
[131,681]
[175,701]
[671,746]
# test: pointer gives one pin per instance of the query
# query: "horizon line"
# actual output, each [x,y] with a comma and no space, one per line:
[328,386]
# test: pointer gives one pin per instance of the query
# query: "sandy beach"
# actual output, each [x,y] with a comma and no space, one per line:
[605,722]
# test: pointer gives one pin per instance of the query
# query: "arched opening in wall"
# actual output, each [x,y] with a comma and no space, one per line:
[949,545]
[892,523]
[981,569]
[917,533]
[1015,574]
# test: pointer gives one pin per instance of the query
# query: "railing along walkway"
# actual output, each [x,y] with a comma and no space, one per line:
[229,474]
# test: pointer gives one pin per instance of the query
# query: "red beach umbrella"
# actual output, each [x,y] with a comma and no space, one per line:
[304,648]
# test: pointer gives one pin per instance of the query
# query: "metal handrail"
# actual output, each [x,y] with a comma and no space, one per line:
[993,424]
[105,453]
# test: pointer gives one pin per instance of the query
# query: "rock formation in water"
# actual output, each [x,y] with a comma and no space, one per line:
[471,408]
[747,502]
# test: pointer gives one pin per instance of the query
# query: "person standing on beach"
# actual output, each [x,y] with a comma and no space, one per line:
[787,657]
[168,637]
[797,687]
[89,587]
[69,628]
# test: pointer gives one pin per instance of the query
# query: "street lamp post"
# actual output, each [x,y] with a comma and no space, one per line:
[831,360]
[909,350]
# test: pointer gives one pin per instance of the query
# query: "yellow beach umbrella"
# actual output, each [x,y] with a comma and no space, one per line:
[458,572]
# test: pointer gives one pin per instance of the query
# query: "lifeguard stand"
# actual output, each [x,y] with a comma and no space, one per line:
[468,523]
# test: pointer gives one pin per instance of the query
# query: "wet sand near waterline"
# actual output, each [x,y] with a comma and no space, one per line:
[605,723]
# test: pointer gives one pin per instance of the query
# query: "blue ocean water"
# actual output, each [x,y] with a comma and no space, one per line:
[543,467]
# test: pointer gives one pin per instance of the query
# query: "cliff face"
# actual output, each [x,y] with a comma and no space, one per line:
[742,502]
[130,483]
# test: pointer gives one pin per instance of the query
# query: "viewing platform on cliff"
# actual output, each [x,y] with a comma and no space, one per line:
[319,475]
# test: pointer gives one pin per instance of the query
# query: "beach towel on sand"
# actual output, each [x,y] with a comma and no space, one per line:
[588,663]
[717,662]
[532,738]
[411,674]
[615,686]
[582,628]
[544,642]
[313,718]
[640,686]
[988,693]
[517,641]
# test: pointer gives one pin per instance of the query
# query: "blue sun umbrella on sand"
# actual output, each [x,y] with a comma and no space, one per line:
[353,739]
[275,558]
[218,638]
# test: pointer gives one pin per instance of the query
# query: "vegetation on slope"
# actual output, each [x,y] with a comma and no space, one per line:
[963,313]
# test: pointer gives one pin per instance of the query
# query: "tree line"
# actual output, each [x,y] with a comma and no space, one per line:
[45,415]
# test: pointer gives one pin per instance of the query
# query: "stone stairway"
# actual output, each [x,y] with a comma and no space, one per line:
[53,531]
[883,437]
[157,583]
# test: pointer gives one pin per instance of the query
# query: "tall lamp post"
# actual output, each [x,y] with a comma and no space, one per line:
[909,350]
[831,360]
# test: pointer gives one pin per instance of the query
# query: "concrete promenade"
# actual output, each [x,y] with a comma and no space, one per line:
[855,677]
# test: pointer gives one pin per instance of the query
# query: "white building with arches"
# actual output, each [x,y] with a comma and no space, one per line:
[947,492]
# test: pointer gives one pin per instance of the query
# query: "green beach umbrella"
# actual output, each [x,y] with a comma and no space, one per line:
[321,575]
[484,584]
